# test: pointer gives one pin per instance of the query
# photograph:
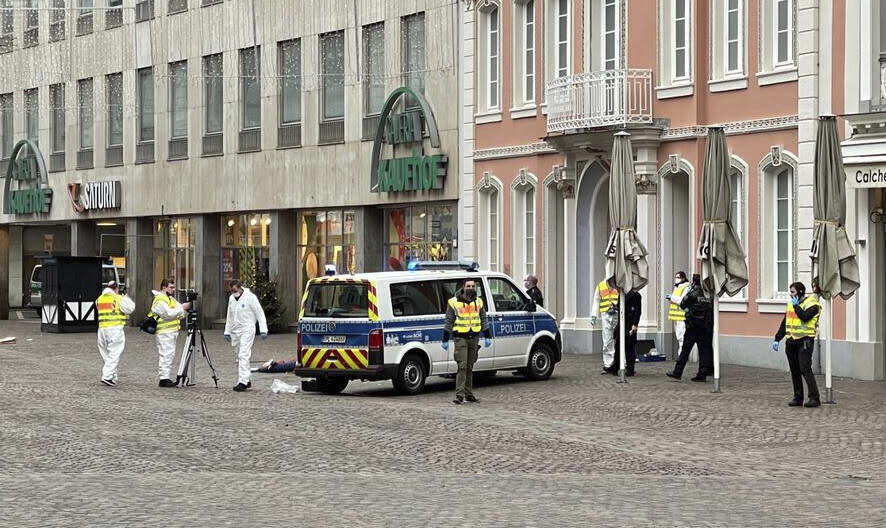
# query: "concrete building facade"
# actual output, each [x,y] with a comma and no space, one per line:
[556,79]
[222,166]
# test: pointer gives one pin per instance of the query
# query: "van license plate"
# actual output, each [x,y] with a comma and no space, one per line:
[335,339]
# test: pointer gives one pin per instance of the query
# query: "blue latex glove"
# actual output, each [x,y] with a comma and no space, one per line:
[264,335]
[445,345]
[775,346]
[795,301]
[487,343]
[668,297]
[228,338]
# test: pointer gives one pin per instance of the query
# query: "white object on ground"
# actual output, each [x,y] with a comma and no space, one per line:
[278,386]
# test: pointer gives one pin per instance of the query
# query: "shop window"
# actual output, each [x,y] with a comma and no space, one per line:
[174,242]
[327,238]
[245,251]
[418,233]
[412,299]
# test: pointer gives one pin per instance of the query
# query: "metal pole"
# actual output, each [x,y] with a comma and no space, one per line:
[829,323]
[621,336]
[716,344]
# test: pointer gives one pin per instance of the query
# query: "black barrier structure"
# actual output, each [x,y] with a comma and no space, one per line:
[68,293]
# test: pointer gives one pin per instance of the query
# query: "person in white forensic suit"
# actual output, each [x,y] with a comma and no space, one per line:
[244,311]
[605,306]
[169,314]
[113,312]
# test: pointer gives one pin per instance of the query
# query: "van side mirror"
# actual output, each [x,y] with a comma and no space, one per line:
[531,306]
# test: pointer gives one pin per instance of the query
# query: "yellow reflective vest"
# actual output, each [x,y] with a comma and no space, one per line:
[164,326]
[608,297]
[109,313]
[676,313]
[467,316]
[797,329]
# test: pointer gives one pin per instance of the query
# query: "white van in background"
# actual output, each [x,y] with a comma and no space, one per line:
[110,273]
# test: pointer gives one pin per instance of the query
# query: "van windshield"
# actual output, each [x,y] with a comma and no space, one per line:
[108,275]
[35,275]
[346,300]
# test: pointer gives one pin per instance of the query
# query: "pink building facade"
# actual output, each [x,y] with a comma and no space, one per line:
[552,81]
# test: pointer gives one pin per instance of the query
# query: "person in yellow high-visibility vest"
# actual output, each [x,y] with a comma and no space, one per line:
[605,306]
[676,314]
[800,325]
[169,314]
[466,320]
[113,312]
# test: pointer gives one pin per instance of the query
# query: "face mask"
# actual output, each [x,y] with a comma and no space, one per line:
[678,282]
[470,294]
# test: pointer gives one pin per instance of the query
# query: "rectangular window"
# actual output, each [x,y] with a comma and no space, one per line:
[413,299]
[178,95]
[7,26]
[529,231]
[214,92]
[32,114]
[610,34]
[337,299]
[332,53]
[784,229]
[6,113]
[250,88]
[85,100]
[784,38]
[492,63]
[57,20]
[562,38]
[681,39]
[529,51]
[145,105]
[57,102]
[32,17]
[85,8]
[734,24]
[290,81]
[373,68]
[414,51]
[114,88]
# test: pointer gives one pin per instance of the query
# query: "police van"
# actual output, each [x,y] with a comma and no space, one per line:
[389,325]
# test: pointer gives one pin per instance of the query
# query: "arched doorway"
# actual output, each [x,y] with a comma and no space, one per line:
[677,206]
[552,282]
[592,232]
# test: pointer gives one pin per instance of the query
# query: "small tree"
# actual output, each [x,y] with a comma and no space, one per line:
[266,291]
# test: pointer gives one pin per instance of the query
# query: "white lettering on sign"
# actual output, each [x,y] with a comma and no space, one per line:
[101,195]
[865,177]
[514,328]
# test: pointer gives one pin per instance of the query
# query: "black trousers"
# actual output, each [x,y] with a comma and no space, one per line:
[630,350]
[704,338]
[799,355]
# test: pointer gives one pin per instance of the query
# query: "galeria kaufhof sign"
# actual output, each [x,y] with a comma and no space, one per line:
[27,188]
[416,172]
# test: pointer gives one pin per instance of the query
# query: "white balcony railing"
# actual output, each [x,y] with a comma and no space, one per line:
[598,99]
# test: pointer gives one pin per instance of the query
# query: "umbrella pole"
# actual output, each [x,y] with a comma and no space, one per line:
[716,344]
[828,381]
[621,336]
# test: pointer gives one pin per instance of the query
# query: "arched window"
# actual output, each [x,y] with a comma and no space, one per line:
[489,222]
[525,226]
[777,214]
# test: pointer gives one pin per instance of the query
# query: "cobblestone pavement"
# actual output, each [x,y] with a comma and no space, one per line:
[577,450]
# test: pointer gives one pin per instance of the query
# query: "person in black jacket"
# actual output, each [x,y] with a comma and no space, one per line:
[633,311]
[699,330]
[532,290]
[800,325]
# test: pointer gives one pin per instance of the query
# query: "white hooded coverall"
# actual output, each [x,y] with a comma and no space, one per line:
[111,339]
[167,309]
[609,320]
[243,313]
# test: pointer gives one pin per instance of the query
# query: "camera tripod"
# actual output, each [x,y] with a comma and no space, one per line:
[187,365]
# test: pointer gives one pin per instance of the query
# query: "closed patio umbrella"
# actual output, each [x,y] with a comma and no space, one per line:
[724,268]
[625,254]
[834,266]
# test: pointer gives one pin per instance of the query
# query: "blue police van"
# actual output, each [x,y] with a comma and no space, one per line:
[389,325]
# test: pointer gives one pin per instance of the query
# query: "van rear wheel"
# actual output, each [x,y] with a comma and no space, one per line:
[541,362]
[332,385]
[411,375]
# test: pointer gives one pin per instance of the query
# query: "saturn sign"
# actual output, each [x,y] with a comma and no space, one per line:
[94,196]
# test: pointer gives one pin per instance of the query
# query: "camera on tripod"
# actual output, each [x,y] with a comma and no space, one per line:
[194,342]
[190,296]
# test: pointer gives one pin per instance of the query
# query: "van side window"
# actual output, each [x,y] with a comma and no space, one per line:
[506,296]
[449,287]
[410,299]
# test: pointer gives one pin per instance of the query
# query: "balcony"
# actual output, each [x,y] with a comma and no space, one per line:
[599,99]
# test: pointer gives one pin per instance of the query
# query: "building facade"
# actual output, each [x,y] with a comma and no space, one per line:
[555,80]
[208,140]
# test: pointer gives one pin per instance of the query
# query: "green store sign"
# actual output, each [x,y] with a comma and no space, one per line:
[27,188]
[411,173]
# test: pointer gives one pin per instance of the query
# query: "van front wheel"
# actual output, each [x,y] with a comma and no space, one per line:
[411,375]
[541,363]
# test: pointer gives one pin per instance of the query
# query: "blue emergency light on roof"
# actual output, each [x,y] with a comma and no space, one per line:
[461,265]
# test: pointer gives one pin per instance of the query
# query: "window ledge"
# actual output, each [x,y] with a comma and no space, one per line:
[488,117]
[773,306]
[733,304]
[728,84]
[670,92]
[524,111]
[777,76]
